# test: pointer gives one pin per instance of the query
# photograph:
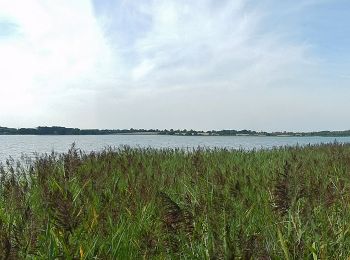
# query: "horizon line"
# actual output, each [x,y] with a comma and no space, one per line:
[173,129]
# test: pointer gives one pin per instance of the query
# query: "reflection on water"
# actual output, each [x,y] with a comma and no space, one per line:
[16,145]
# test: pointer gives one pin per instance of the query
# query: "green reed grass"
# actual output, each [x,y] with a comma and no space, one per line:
[284,203]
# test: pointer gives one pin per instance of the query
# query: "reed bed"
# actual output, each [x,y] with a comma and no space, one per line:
[283,203]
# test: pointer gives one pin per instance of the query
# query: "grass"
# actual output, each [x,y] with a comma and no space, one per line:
[284,203]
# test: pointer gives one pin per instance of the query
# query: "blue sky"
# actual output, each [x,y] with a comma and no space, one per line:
[201,64]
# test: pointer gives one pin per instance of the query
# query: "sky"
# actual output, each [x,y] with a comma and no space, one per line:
[265,65]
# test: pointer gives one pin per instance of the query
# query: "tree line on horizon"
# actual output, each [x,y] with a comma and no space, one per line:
[59,130]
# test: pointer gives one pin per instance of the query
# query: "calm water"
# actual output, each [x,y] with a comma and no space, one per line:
[16,145]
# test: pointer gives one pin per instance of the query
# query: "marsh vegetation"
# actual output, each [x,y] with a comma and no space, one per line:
[128,203]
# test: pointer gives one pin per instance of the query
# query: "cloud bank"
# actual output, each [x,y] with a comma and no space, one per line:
[166,64]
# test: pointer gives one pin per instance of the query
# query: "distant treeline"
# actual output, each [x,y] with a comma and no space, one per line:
[58,130]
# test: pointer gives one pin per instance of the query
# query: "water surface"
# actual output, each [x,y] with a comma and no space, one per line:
[16,145]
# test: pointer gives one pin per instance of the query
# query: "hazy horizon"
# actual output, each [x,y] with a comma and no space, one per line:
[206,65]
[181,129]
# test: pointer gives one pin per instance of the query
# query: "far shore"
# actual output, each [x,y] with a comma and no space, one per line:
[59,130]
[176,135]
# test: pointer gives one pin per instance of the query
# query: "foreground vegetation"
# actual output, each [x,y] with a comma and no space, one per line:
[290,203]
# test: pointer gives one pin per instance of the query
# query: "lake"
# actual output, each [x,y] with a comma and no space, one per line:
[16,145]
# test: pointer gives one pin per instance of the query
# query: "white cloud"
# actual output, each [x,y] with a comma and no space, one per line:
[156,64]
[142,69]
[192,43]
[59,46]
